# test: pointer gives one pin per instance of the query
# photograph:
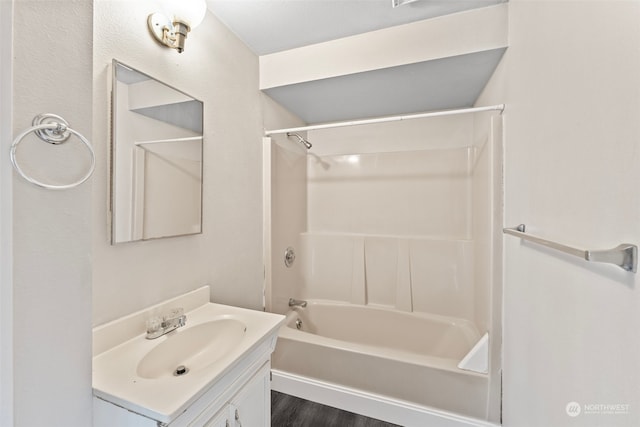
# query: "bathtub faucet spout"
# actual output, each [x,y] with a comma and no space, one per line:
[297,303]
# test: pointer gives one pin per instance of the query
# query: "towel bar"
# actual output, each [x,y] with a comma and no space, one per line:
[624,255]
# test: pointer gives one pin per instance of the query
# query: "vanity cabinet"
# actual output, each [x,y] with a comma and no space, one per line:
[220,420]
[247,403]
[250,406]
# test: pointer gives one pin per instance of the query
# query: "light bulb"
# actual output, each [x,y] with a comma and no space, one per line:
[188,12]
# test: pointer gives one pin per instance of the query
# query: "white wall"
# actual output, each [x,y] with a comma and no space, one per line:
[60,238]
[572,165]
[219,70]
[6,221]
[52,229]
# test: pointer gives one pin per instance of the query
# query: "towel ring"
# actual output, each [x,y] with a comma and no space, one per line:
[52,129]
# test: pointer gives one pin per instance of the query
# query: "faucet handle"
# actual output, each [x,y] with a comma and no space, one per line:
[154,324]
[174,313]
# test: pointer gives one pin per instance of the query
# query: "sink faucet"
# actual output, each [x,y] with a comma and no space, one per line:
[158,326]
[297,303]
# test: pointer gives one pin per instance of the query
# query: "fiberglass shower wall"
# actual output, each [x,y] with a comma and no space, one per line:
[405,215]
[398,214]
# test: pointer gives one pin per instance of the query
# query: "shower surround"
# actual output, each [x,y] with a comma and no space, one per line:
[402,217]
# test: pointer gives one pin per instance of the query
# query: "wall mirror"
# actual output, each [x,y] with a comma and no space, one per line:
[156,159]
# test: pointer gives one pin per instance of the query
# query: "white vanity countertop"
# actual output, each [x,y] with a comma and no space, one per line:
[117,378]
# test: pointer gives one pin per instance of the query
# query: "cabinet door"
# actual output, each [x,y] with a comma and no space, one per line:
[221,419]
[251,407]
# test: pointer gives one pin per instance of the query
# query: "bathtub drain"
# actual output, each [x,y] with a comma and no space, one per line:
[298,324]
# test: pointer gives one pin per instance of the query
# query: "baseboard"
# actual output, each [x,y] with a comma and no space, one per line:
[368,404]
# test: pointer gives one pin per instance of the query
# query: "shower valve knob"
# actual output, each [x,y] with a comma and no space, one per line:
[289,257]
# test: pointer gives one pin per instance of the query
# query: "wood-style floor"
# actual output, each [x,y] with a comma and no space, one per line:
[290,411]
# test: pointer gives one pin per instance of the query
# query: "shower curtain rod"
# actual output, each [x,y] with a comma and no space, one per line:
[499,107]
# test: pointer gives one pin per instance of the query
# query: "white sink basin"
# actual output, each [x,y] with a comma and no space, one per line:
[138,374]
[191,349]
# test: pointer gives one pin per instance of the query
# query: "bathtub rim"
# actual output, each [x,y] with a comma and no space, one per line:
[382,307]
[441,318]
[288,331]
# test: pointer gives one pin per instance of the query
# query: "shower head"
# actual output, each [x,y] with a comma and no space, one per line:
[301,140]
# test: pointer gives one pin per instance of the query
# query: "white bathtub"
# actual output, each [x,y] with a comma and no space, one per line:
[402,356]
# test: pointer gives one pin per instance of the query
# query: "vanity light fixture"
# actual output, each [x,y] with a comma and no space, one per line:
[171,25]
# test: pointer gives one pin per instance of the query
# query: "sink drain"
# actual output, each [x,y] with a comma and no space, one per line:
[180,370]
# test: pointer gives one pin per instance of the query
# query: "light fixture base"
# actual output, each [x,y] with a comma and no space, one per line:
[161,28]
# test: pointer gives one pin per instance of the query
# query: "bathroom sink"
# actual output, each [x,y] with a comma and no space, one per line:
[160,378]
[191,349]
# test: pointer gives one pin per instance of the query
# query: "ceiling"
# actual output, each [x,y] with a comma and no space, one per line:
[268,26]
